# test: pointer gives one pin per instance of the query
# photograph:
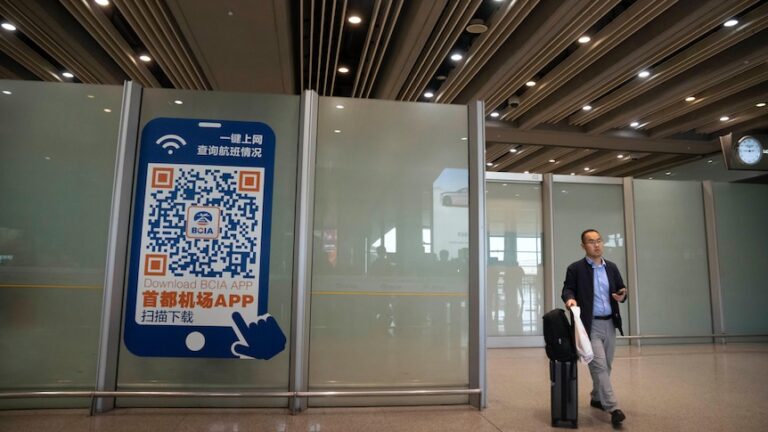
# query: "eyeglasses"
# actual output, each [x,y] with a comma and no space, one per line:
[594,242]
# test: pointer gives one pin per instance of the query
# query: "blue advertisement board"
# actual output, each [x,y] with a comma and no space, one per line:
[199,263]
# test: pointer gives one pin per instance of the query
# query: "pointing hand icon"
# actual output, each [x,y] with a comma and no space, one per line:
[263,338]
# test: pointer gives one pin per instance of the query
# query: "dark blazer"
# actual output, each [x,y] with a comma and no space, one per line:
[579,285]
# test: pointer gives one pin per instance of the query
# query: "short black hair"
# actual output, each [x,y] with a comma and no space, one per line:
[588,231]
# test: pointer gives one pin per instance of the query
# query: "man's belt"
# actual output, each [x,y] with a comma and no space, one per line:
[604,317]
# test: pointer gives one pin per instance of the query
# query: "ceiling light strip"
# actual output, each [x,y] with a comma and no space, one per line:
[329,49]
[557,30]
[366,47]
[383,19]
[104,32]
[502,24]
[143,27]
[392,24]
[430,47]
[688,25]
[343,19]
[630,21]
[320,45]
[29,58]
[49,35]
[505,163]
[455,29]
[575,159]
[714,94]
[176,41]
[701,51]
[569,21]
[540,164]
[443,42]
[737,64]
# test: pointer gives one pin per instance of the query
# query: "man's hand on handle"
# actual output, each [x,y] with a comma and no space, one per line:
[570,303]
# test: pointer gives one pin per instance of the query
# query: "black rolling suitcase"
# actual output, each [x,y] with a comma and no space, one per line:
[565,391]
[563,371]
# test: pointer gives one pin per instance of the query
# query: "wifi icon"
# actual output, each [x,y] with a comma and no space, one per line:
[171,142]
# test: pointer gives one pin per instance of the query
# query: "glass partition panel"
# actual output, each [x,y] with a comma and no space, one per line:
[515,284]
[742,242]
[672,269]
[281,114]
[57,159]
[389,282]
[581,206]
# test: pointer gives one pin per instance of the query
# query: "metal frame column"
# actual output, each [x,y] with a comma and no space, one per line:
[117,247]
[477,254]
[302,251]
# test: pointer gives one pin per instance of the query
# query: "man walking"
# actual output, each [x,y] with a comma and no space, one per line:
[595,285]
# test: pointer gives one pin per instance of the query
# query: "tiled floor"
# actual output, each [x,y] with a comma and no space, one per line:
[660,388]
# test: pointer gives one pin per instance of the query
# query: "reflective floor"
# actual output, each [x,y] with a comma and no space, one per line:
[660,388]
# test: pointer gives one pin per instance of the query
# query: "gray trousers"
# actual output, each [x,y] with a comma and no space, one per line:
[603,338]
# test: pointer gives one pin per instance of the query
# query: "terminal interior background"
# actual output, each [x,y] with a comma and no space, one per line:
[616,131]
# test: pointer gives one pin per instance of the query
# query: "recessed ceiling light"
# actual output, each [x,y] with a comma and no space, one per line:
[67,75]
[494,114]
[107,110]
[489,164]
[513,150]
[690,99]
[526,172]
[709,161]
[343,69]
[464,138]
[584,39]
[730,23]
[429,95]
[456,57]
[620,156]
[441,77]
[573,173]
[91,96]
[47,158]
[668,173]
[7,92]
[552,161]
[644,74]
[587,107]
[724,118]
[530,83]
[178,102]
[340,106]
[355,19]
[336,131]
[145,58]
[477,26]
[8,26]
[586,168]
[760,105]
[650,178]
[102,2]
[634,124]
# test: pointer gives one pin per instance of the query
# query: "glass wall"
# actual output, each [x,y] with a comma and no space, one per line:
[581,206]
[390,261]
[742,242]
[57,159]
[281,113]
[515,284]
[673,280]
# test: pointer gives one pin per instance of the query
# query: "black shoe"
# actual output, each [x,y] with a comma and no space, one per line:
[617,417]
[596,404]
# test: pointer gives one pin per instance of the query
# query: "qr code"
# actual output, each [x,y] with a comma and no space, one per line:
[204,221]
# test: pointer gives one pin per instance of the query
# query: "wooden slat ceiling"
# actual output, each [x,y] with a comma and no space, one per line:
[402,49]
